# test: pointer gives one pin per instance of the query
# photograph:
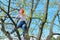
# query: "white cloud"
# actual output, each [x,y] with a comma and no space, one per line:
[55,36]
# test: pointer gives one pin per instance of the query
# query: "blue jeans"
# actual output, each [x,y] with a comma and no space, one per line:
[21,24]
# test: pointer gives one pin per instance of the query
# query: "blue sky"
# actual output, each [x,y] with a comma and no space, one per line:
[40,7]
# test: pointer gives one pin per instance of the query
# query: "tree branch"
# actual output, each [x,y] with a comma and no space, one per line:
[28,25]
[10,7]
[45,18]
[3,29]
[29,22]
[54,24]
[51,27]
[13,23]
[56,33]
[36,4]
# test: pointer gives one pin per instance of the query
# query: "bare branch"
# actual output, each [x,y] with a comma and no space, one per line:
[28,25]
[13,23]
[45,18]
[3,29]
[56,33]
[29,22]
[10,7]
[51,27]
[59,19]
[36,4]
[54,24]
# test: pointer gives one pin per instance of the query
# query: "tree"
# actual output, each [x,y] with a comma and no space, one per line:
[32,7]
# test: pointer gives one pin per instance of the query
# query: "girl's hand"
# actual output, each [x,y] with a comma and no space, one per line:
[17,16]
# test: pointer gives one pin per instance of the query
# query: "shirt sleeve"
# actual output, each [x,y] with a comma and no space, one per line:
[18,16]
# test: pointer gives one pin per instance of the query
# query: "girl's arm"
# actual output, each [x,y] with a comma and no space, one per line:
[17,16]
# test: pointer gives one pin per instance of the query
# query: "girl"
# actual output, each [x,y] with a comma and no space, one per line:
[22,22]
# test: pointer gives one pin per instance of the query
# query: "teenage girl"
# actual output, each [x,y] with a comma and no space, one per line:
[22,22]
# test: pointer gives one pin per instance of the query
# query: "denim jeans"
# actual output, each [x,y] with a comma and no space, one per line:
[21,24]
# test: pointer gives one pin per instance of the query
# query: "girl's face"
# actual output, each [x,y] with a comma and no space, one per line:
[22,11]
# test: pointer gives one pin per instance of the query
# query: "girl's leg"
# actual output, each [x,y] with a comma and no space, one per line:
[24,29]
[19,25]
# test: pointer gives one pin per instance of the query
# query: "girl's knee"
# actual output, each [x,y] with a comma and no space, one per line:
[19,25]
[24,27]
